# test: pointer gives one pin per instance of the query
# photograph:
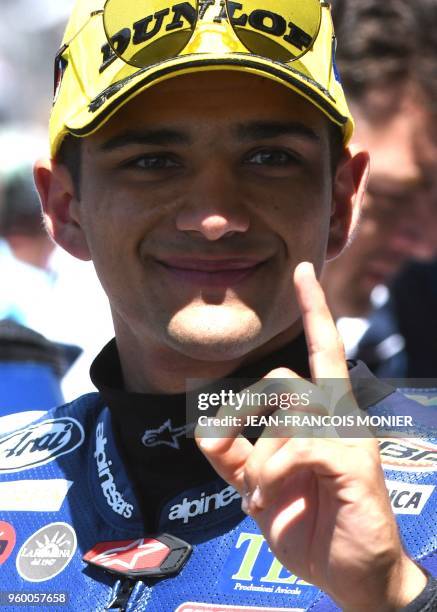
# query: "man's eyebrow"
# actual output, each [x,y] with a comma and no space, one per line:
[161,136]
[259,130]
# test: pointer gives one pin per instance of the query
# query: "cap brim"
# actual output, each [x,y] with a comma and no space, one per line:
[120,92]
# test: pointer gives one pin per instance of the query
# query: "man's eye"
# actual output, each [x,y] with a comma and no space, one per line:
[153,162]
[271,158]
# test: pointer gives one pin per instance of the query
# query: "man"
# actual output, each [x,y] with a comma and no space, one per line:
[388,69]
[209,177]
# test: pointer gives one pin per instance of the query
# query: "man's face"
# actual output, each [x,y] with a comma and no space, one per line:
[399,219]
[198,199]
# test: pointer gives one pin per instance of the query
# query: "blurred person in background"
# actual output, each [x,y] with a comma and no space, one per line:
[401,339]
[389,69]
[21,225]
[25,247]
[31,366]
[43,322]
[29,37]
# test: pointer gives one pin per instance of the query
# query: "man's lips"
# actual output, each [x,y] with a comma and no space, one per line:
[213,272]
[210,264]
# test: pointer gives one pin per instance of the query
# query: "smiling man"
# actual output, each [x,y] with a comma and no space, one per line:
[199,158]
[185,267]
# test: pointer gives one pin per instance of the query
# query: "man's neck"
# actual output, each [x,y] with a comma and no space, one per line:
[162,370]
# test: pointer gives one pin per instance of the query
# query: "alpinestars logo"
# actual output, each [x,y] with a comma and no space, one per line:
[165,435]
[188,509]
[156,557]
[131,555]
[114,498]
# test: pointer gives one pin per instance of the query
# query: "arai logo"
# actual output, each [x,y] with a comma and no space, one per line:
[39,444]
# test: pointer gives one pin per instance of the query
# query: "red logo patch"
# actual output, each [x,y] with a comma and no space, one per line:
[158,556]
[7,540]
[128,554]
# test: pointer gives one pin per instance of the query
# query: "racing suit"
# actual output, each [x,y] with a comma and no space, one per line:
[68,482]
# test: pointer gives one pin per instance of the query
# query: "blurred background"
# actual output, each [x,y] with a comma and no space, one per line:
[382,291]
[49,333]
[30,34]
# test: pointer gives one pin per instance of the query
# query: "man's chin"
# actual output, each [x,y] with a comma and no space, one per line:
[217,338]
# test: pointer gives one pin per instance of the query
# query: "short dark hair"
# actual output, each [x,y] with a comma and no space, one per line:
[70,156]
[386,42]
[336,145]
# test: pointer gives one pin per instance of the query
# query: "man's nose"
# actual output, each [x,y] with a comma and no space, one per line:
[213,206]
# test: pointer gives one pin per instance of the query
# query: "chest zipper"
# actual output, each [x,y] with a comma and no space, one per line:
[121,596]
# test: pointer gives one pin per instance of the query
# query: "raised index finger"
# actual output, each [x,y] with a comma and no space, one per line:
[325,348]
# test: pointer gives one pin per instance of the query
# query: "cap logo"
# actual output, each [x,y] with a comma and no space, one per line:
[248,21]
[162,38]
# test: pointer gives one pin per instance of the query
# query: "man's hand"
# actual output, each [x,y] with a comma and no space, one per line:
[322,504]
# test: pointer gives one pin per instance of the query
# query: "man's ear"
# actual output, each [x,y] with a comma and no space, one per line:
[61,207]
[348,192]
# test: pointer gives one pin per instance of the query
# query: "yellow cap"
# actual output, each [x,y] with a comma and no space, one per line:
[93,82]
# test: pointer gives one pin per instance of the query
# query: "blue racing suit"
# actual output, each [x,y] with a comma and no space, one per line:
[64,488]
